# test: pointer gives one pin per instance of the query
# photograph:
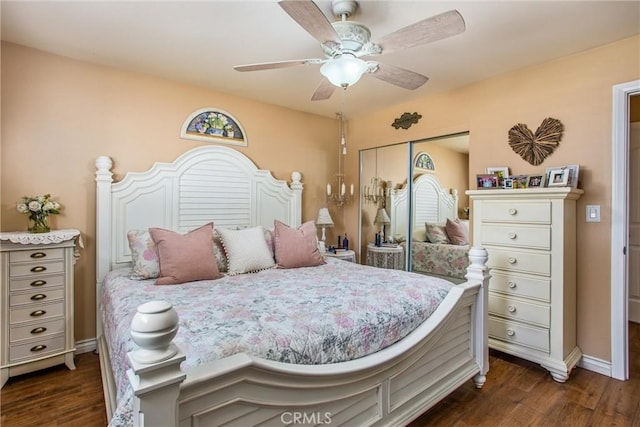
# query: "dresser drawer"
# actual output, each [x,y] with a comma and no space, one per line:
[519,285]
[36,255]
[36,269]
[538,212]
[514,332]
[41,295]
[39,283]
[36,330]
[36,312]
[38,348]
[517,236]
[521,261]
[517,309]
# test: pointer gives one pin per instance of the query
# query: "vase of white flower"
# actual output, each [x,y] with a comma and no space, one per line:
[38,208]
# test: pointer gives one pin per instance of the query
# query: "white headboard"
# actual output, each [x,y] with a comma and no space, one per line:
[208,183]
[430,203]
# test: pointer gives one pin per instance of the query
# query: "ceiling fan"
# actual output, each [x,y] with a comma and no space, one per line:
[345,42]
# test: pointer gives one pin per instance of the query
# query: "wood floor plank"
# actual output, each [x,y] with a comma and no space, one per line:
[517,393]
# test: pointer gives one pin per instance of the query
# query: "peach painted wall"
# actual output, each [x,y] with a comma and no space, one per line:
[60,114]
[577,90]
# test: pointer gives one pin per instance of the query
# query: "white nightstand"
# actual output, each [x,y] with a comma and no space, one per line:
[36,290]
[385,256]
[343,255]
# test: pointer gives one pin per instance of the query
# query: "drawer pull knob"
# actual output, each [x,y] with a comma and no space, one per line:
[38,313]
[511,332]
[512,235]
[38,348]
[38,269]
[38,297]
[38,330]
[38,255]
[512,260]
[511,308]
[513,211]
[512,285]
[38,283]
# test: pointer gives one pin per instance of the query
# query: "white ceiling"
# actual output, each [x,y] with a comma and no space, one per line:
[199,42]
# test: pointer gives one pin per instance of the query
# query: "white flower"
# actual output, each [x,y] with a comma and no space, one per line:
[48,207]
[35,206]
[22,208]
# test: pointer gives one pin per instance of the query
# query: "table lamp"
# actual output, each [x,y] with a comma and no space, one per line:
[324,220]
[382,219]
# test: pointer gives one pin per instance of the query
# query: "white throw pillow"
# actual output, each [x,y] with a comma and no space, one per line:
[246,250]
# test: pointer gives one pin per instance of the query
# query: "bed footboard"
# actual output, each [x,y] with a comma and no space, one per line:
[392,386]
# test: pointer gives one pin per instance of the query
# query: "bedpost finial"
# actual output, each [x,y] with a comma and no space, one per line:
[153,327]
[103,163]
[296,180]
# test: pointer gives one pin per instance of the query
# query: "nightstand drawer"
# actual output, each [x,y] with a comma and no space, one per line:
[36,312]
[538,212]
[36,255]
[37,348]
[518,309]
[525,262]
[35,269]
[517,236]
[43,295]
[529,336]
[519,285]
[36,283]
[36,330]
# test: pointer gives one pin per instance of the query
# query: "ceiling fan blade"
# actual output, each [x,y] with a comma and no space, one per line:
[278,64]
[323,91]
[400,77]
[428,30]
[309,16]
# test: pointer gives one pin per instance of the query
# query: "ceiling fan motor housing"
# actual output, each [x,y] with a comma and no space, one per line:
[343,7]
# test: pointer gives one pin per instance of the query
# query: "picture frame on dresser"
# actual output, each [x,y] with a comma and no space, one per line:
[501,172]
[487,181]
[535,181]
[557,177]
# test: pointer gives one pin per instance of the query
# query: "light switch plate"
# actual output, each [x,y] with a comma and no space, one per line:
[593,213]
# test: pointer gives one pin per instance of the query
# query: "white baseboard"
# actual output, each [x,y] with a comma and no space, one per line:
[594,364]
[85,346]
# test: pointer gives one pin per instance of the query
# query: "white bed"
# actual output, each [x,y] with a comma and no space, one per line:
[433,204]
[388,387]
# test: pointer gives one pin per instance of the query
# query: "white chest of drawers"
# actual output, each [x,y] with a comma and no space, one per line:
[36,303]
[530,235]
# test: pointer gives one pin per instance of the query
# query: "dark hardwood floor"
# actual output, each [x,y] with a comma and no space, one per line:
[517,393]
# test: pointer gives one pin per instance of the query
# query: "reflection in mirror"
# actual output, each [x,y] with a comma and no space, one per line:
[382,171]
[440,178]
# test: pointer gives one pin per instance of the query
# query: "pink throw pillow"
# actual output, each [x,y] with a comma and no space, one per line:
[457,231]
[296,247]
[185,257]
[436,233]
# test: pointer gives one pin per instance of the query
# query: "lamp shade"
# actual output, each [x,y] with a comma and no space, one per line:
[382,217]
[345,70]
[324,218]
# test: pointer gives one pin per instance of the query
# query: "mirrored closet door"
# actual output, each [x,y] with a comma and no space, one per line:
[439,171]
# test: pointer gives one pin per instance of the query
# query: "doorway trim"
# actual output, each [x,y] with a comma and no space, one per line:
[619,228]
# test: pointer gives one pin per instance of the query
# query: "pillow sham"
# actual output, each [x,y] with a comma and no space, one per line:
[246,250]
[144,256]
[296,248]
[185,257]
[457,231]
[436,233]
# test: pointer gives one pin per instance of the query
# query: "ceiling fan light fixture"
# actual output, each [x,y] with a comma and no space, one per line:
[344,70]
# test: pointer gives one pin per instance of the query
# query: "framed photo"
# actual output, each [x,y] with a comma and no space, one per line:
[213,125]
[507,183]
[487,181]
[558,177]
[535,181]
[520,181]
[502,172]
[574,171]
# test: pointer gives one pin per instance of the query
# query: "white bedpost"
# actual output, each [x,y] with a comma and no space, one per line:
[479,272]
[296,205]
[454,195]
[104,178]
[155,373]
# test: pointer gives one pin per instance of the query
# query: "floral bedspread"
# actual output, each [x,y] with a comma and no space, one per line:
[316,315]
[440,258]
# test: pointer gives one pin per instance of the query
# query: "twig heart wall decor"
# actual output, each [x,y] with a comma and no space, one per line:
[535,148]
